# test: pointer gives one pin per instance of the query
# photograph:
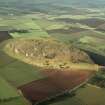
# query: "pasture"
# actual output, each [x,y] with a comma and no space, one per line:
[87,95]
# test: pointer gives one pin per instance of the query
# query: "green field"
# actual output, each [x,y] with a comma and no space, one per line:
[4,94]
[17,101]
[10,97]
[32,30]
[88,95]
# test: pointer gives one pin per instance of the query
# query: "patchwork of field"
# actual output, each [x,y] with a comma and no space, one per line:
[91,22]
[84,32]
[55,83]
[21,76]
[83,28]
[21,27]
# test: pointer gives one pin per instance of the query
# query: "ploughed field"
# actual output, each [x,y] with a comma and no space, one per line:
[55,83]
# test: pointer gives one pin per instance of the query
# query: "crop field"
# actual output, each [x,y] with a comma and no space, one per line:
[11,96]
[53,85]
[11,91]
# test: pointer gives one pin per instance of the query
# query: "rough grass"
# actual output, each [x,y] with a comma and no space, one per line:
[64,57]
[19,73]
[9,95]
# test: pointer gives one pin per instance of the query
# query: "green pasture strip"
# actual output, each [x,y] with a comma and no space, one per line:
[5,59]
[90,92]
[7,91]
[15,101]
[19,73]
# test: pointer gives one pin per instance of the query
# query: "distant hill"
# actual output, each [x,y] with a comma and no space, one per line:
[26,6]
[79,3]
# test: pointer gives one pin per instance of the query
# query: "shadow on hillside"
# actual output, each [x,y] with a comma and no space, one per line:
[4,35]
[97,58]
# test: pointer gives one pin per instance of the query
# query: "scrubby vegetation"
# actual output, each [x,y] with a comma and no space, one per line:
[46,52]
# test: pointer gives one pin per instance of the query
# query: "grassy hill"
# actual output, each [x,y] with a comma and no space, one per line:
[45,52]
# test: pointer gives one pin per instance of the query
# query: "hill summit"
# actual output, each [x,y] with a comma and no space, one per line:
[46,52]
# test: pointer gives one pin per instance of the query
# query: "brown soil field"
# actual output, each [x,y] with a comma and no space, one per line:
[4,35]
[54,83]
